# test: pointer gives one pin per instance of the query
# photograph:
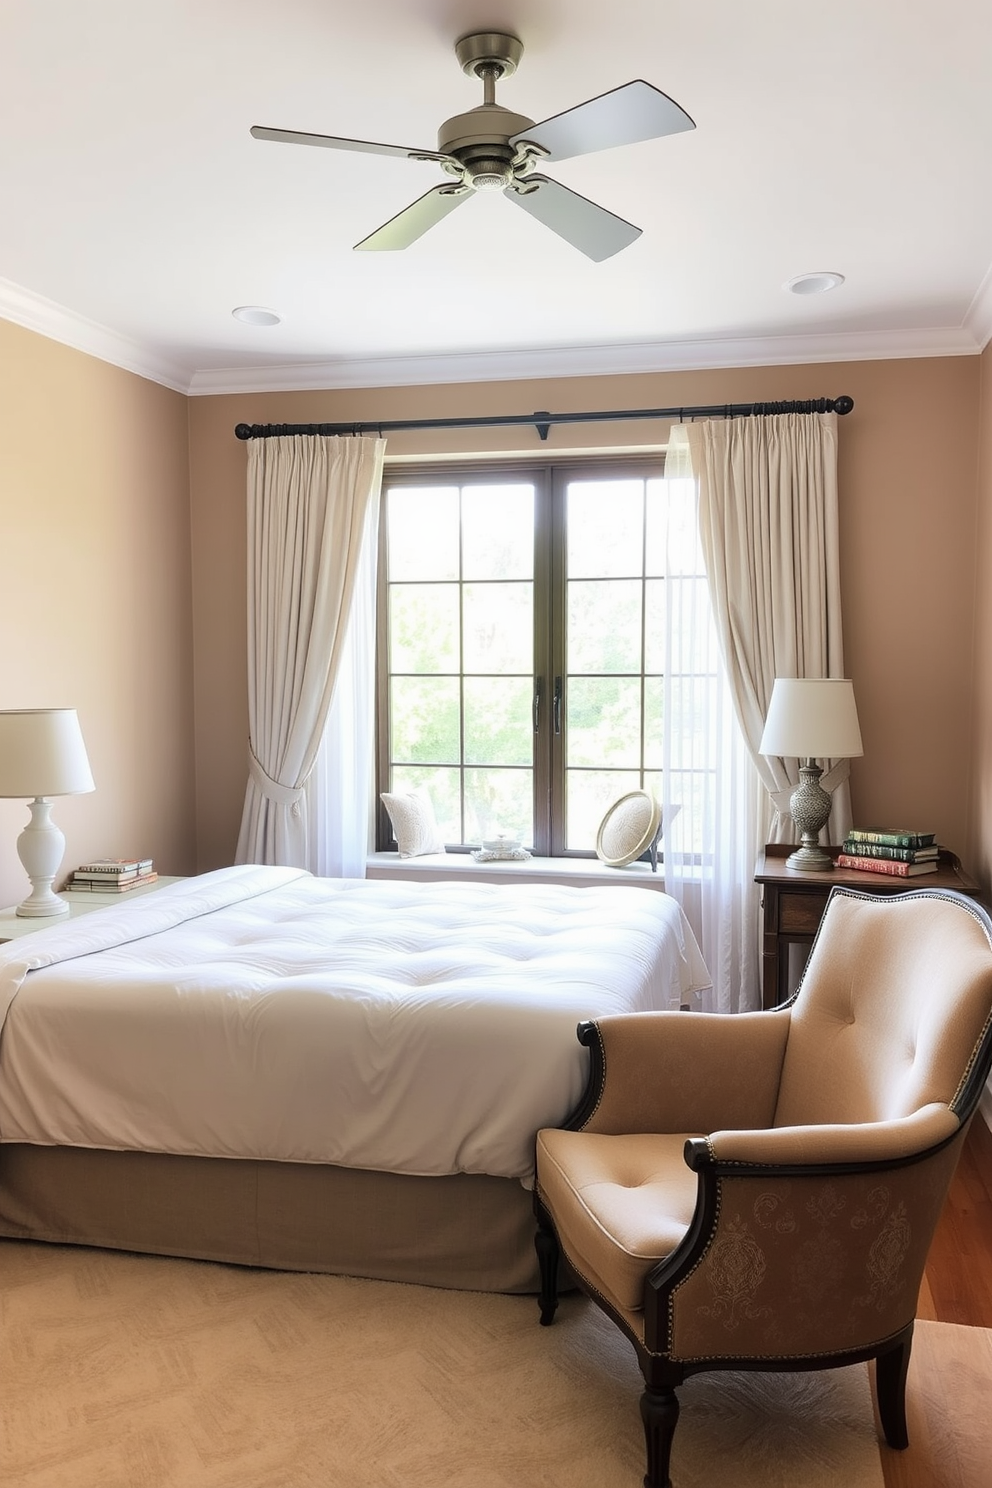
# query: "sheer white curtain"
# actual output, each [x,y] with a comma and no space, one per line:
[708,774]
[768,524]
[312,502]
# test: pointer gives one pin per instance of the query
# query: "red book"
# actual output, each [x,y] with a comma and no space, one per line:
[888,866]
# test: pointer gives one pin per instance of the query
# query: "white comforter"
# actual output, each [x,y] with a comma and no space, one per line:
[261,1012]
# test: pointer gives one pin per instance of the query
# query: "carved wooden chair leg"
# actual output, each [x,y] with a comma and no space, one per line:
[891,1369]
[660,1414]
[548,1254]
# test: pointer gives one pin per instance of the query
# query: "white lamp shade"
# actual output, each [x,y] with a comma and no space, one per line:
[812,718]
[42,753]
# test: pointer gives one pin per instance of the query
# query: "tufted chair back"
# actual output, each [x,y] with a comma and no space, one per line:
[872,1037]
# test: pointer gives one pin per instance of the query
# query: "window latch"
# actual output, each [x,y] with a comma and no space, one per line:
[556,706]
[536,706]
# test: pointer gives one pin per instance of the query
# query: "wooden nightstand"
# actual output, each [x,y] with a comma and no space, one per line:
[80,902]
[793,904]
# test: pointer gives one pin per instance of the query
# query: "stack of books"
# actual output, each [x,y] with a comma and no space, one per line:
[113,875]
[892,850]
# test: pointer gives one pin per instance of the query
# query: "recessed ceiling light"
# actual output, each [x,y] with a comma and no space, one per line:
[256,315]
[819,283]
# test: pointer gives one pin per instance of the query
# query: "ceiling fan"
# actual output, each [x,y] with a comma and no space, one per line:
[490,148]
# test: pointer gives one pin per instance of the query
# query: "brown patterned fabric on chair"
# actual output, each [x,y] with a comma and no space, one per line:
[760,1190]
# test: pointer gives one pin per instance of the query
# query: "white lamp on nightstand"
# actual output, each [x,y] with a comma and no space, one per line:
[811,718]
[42,754]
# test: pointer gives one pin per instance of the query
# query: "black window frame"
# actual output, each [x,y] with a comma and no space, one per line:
[549,476]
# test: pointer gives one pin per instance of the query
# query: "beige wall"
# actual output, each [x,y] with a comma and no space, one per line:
[95,600]
[981,840]
[908,520]
[124,579]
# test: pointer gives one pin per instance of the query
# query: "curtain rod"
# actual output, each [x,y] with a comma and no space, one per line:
[543,420]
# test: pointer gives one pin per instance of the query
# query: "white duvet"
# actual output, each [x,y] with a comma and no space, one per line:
[264,1013]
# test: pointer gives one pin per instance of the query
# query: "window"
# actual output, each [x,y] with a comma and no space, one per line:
[525,644]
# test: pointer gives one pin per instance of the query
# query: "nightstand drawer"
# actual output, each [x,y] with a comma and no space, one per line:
[800,914]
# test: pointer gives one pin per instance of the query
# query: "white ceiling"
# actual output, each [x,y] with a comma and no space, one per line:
[136,211]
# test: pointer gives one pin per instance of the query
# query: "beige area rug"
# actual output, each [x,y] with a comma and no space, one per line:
[121,1371]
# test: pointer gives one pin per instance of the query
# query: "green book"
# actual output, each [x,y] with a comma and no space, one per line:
[863,849]
[892,837]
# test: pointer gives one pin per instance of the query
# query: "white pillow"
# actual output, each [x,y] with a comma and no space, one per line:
[414,825]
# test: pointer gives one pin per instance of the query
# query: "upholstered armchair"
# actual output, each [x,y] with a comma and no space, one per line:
[759,1191]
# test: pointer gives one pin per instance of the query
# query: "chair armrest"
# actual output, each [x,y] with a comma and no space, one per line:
[683,1072]
[793,1261]
[805,1146]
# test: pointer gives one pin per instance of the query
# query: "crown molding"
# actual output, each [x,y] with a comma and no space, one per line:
[35,313]
[979,317]
[586,361]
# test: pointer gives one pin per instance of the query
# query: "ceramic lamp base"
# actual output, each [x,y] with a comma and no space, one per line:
[40,848]
[809,808]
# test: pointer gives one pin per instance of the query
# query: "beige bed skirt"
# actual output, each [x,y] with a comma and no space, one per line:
[471,1232]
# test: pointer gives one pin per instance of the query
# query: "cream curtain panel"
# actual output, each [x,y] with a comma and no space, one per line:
[311,507]
[768,525]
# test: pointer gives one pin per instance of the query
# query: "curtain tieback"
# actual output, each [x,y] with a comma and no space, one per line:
[829,782]
[273,790]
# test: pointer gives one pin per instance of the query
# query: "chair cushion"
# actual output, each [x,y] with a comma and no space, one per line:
[621,1204]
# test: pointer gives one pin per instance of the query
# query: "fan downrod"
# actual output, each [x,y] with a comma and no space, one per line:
[492,52]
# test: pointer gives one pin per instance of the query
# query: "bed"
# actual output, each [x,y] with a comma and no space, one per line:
[265,1067]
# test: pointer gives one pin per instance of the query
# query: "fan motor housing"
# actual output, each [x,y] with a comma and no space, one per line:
[489,124]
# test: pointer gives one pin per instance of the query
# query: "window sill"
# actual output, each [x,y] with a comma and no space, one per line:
[581,872]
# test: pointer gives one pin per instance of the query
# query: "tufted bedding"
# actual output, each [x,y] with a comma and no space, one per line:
[262,1013]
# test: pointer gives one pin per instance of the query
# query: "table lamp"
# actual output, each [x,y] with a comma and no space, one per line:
[811,718]
[42,754]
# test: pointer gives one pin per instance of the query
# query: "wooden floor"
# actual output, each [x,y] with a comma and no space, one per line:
[957,1288]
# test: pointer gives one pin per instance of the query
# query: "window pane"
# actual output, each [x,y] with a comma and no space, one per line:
[423,627]
[695,648]
[590,794]
[654,718]
[692,699]
[498,532]
[603,717]
[654,781]
[654,625]
[605,532]
[687,608]
[693,792]
[443,788]
[672,534]
[499,628]
[498,726]
[422,532]
[604,626]
[498,802]
[423,718]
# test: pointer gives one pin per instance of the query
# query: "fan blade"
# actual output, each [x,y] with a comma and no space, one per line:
[333,142]
[593,230]
[410,224]
[636,111]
